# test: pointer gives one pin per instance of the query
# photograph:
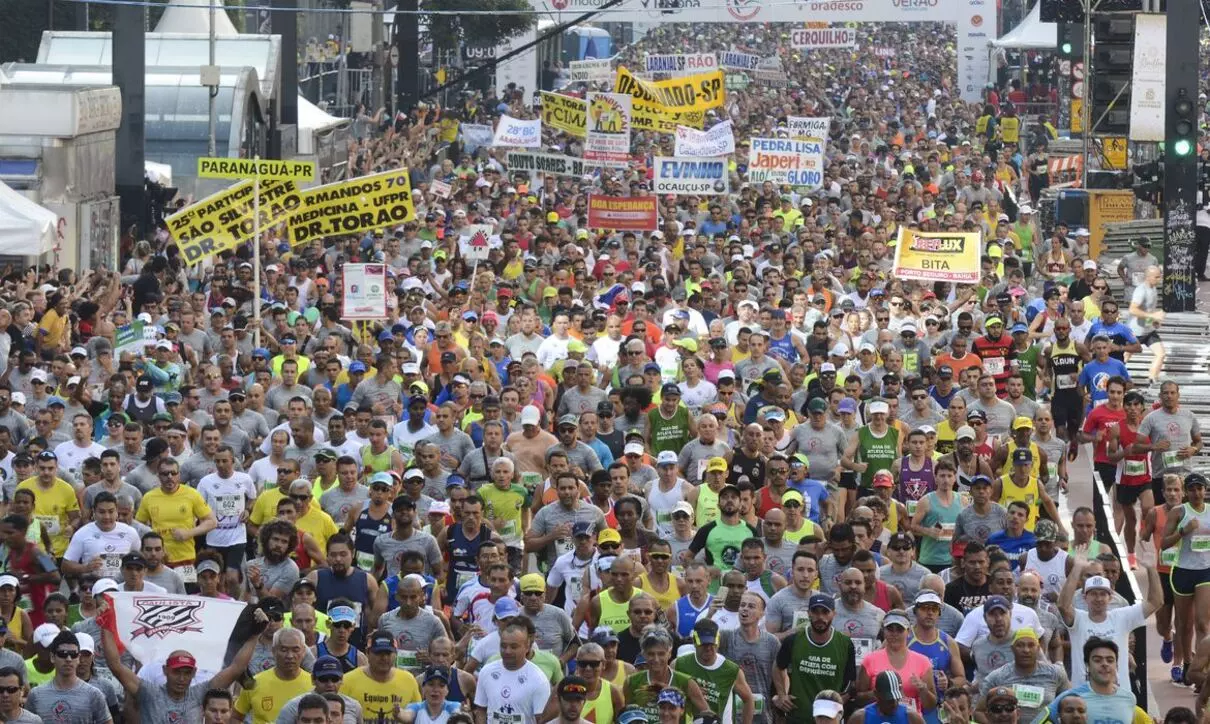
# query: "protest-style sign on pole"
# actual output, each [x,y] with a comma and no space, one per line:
[364,293]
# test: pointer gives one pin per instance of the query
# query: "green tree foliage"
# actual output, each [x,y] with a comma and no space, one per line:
[497,24]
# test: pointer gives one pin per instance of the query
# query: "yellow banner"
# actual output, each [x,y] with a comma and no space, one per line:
[352,207]
[1106,206]
[938,257]
[239,169]
[565,113]
[224,220]
[650,114]
[699,92]
[1115,153]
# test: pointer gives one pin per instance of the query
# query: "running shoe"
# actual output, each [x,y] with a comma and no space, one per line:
[1178,675]
[1166,651]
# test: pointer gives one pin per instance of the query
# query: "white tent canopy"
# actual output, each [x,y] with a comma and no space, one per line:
[312,120]
[193,16]
[1031,33]
[26,229]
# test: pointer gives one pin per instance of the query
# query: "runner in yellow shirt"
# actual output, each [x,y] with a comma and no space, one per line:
[378,686]
[276,686]
[311,518]
[56,508]
[176,512]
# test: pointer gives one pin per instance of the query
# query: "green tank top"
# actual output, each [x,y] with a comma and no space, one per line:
[34,677]
[376,463]
[1027,367]
[669,434]
[639,695]
[934,552]
[707,505]
[600,708]
[716,683]
[613,614]
[880,452]
[1025,233]
[723,544]
[815,668]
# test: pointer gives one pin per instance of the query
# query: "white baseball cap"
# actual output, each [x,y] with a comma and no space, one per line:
[1095,582]
[531,415]
[633,448]
[879,407]
[45,634]
[667,457]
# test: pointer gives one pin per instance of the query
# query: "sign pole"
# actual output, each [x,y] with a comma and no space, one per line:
[256,256]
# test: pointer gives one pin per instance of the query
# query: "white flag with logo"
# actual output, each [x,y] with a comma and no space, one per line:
[151,626]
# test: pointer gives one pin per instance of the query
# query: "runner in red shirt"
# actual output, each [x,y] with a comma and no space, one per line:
[1096,426]
[1133,471]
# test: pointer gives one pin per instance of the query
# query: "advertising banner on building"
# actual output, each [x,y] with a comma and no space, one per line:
[1147,77]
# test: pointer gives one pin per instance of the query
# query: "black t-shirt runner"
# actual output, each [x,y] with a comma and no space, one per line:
[964,596]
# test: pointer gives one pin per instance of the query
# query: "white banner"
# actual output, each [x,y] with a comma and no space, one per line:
[151,626]
[440,189]
[802,38]
[736,60]
[719,140]
[364,293]
[690,176]
[478,241]
[977,22]
[551,163]
[520,70]
[518,132]
[790,162]
[809,127]
[681,64]
[762,11]
[475,136]
[609,120]
[1147,99]
[592,70]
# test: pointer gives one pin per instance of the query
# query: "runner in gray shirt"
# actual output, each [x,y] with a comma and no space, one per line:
[550,531]
[1028,670]
[337,501]
[277,573]
[821,441]
[352,710]
[83,703]
[412,627]
[999,413]
[906,580]
[1174,433]
[981,518]
[389,549]
[693,457]
[755,650]
[554,630]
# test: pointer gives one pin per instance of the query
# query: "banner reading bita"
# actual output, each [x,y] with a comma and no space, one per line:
[938,257]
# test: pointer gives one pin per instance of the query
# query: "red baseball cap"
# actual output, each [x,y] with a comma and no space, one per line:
[182,661]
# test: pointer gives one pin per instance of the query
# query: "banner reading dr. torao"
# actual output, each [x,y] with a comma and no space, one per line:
[938,257]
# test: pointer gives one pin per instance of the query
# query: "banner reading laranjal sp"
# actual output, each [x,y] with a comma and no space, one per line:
[938,257]
[224,220]
[352,207]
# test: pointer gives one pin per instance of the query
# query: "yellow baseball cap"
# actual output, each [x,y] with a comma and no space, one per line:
[552,217]
[1023,421]
[533,582]
[1025,633]
[792,495]
[609,535]
[716,465]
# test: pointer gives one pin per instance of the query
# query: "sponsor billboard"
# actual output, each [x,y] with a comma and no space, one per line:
[690,176]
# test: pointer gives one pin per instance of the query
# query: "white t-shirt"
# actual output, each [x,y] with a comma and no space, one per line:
[227,497]
[512,697]
[975,628]
[90,541]
[72,456]
[1116,627]
[263,473]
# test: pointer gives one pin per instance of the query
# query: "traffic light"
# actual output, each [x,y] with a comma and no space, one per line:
[1147,180]
[1071,41]
[1112,64]
[1183,133]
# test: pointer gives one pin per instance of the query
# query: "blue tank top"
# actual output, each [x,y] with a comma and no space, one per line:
[392,583]
[686,615]
[352,587]
[455,688]
[348,662]
[783,348]
[873,716]
[464,555]
[366,530]
[937,652]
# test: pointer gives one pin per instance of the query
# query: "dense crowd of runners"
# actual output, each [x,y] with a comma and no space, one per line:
[730,470]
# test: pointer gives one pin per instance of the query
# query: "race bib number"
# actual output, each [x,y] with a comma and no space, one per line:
[463,577]
[758,701]
[1200,543]
[531,481]
[994,365]
[701,469]
[499,717]
[1137,278]
[1052,471]
[1168,556]
[574,587]
[563,546]
[911,506]
[406,660]
[801,619]
[405,449]
[964,499]
[365,561]
[49,523]
[111,565]
[863,647]
[510,529]
[1029,696]
[947,531]
[1170,459]
[1135,467]
[1065,382]
[188,573]
[228,509]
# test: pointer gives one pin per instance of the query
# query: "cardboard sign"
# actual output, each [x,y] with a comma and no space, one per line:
[518,132]
[783,161]
[609,122]
[719,140]
[565,113]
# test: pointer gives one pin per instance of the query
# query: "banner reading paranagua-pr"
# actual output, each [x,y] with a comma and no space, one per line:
[938,257]
[354,206]
[224,220]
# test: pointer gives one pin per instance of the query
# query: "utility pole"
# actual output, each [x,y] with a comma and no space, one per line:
[1180,157]
[129,75]
[283,21]
[407,51]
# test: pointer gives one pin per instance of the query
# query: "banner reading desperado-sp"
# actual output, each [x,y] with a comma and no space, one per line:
[938,257]
[352,207]
[224,220]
